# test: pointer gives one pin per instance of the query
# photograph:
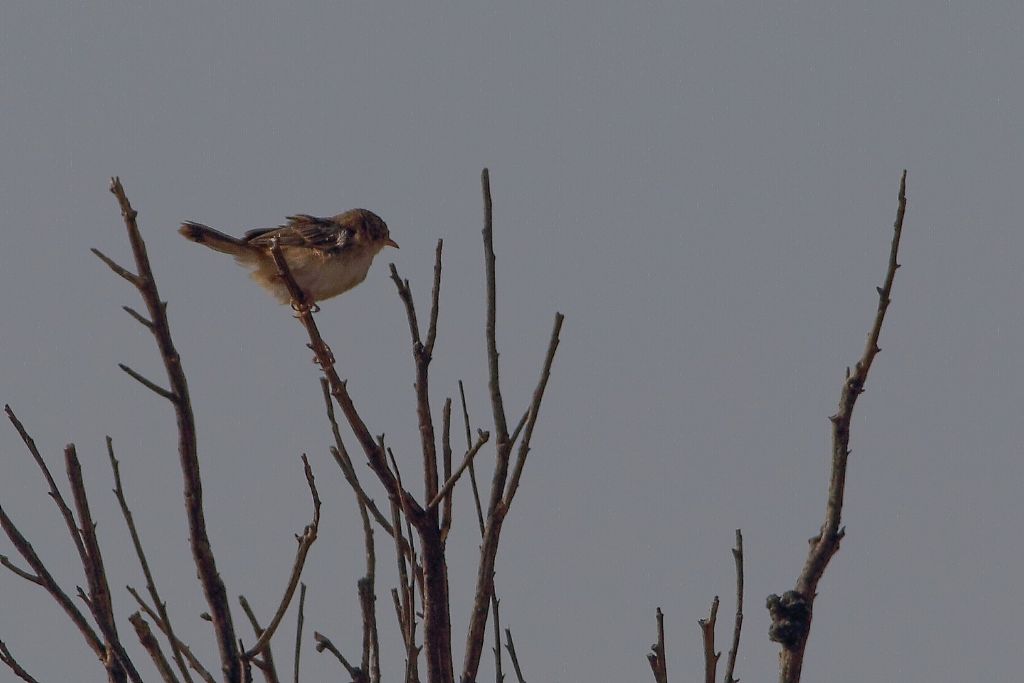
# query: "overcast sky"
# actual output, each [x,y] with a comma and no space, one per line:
[705,189]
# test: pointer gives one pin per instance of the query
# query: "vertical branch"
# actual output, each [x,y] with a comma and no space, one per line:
[164,621]
[500,499]
[119,666]
[737,554]
[298,629]
[707,629]
[202,552]
[512,655]
[791,613]
[656,657]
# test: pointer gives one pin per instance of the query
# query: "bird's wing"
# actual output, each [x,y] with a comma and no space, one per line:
[304,231]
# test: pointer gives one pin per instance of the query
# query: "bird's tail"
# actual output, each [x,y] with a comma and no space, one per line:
[214,239]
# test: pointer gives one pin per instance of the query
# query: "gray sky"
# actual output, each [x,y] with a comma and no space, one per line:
[706,190]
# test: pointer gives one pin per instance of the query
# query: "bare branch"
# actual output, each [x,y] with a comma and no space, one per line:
[196,665]
[164,621]
[18,571]
[55,494]
[490,328]
[792,612]
[202,553]
[152,646]
[446,463]
[534,411]
[298,629]
[268,667]
[117,662]
[141,319]
[306,540]
[737,554]
[434,301]
[707,629]
[46,580]
[472,471]
[512,654]
[7,658]
[134,279]
[482,438]
[149,384]
[324,643]
[656,657]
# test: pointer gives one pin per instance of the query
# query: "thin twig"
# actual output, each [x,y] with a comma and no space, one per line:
[202,553]
[344,461]
[499,500]
[472,471]
[149,384]
[306,540]
[193,661]
[791,613]
[324,643]
[100,602]
[737,554]
[7,658]
[435,297]
[55,494]
[152,646]
[298,629]
[164,621]
[446,463]
[656,657]
[482,438]
[512,654]
[268,667]
[534,411]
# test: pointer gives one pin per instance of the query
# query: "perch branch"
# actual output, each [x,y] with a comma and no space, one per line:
[792,612]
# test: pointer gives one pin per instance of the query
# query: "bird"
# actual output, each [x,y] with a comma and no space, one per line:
[326,256]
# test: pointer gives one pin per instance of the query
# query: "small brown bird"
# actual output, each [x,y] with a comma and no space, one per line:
[326,256]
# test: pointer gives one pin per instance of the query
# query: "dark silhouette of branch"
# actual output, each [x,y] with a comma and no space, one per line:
[55,494]
[482,438]
[500,498]
[656,657]
[791,613]
[193,662]
[300,619]
[43,578]
[119,666]
[178,394]
[164,621]
[268,667]
[512,655]
[306,540]
[737,554]
[324,643]
[472,470]
[152,646]
[707,630]
[7,658]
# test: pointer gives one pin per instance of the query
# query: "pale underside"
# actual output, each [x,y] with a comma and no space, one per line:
[320,274]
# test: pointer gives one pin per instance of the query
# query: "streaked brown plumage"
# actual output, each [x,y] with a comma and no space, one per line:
[326,256]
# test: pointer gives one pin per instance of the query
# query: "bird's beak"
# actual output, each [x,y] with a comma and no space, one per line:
[391,243]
